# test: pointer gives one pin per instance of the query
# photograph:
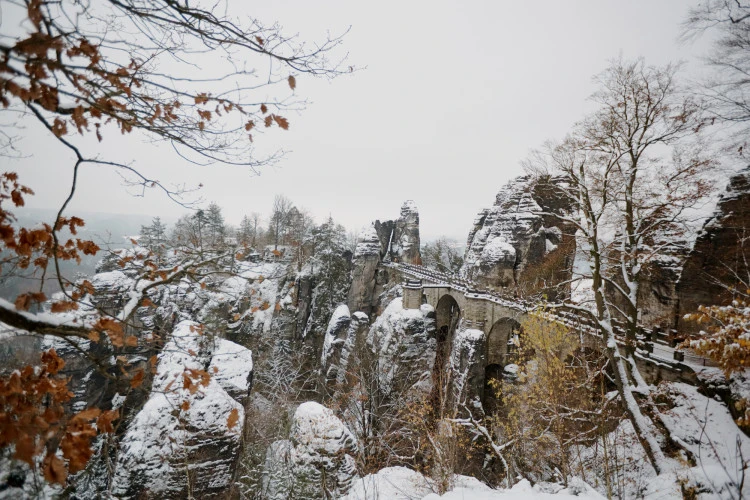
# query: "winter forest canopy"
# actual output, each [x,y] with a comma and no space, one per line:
[590,337]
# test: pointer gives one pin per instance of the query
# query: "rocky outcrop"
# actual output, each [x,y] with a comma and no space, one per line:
[512,241]
[467,356]
[367,258]
[191,425]
[342,336]
[401,237]
[317,461]
[404,343]
[719,255]
[391,241]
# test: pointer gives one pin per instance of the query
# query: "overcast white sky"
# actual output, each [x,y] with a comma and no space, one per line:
[452,97]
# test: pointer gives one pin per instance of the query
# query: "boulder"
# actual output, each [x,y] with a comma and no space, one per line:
[191,425]
[317,461]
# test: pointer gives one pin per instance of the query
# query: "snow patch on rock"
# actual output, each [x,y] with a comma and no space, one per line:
[232,367]
[498,250]
[340,320]
[369,242]
[404,341]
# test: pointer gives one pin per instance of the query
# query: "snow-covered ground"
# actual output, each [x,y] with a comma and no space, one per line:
[712,468]
[400,483]
[704,427]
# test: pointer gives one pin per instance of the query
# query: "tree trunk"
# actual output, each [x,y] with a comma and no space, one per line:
[644,429]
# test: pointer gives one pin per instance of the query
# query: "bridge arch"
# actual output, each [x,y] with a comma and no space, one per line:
[502,332]
[447,313]
[482,310]
[497,356]
[447,316]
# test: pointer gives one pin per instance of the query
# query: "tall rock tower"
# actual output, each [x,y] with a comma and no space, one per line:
[390,241]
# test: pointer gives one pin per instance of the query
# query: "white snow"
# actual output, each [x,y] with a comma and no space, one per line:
[368,242]
[231,365]
[112,281]
[392,483]
[701,425]
[316,429]
[400,483]
[705,428]
[322,446]
[409,207]
[520,491]
[234,286]
[394,319]
[498,249]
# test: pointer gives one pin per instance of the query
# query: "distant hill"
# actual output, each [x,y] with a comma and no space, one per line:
[109,231]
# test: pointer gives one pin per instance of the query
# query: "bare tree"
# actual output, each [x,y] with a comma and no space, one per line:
[630,199]
[248,230]
[279,221]
[443,254]
[66,68]
[728,88]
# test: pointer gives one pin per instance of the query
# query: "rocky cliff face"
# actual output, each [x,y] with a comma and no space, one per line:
[719,257]
[343,333]
[690,271]
[188,429]
[404,343]
[401,237]
[393,241]
[512,246]
[510,241]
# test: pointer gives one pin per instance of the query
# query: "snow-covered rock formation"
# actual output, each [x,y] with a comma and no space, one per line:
[403,240]
[466,360]
[391,240]
[512,235]
[718,256]
[343,332]
[367,257]
[403,340]
[191,425]
[317,461]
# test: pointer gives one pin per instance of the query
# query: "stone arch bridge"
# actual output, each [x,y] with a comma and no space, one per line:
[494,324]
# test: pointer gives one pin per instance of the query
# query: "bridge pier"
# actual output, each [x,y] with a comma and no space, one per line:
[412,298]
[476,314]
